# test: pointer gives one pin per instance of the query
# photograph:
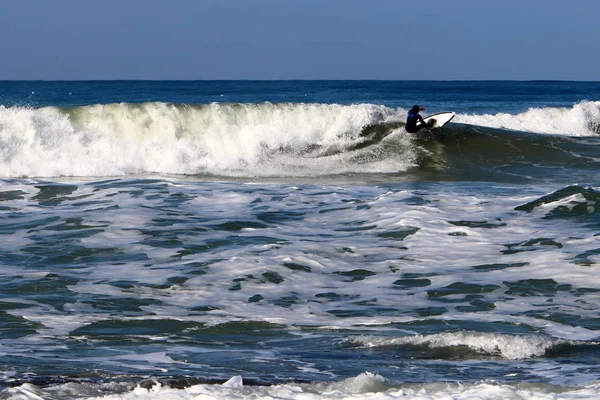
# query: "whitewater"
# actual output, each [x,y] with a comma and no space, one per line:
[289,240]
[234,140]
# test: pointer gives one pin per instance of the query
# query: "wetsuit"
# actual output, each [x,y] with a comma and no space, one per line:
[411,122]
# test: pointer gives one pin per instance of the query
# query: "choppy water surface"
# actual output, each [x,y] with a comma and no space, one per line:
[308,249]
[195,282]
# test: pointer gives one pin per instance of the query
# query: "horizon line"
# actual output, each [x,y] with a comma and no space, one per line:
[296,80]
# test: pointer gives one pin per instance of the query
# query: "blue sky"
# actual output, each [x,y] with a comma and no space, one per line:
[300,39]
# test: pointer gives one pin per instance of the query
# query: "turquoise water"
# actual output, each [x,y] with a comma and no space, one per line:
[290,240]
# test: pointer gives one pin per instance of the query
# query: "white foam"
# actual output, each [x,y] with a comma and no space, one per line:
[320,241]
[366,386]
[118,139]
[431,252]
[232,139]
[512,347]
[583,119]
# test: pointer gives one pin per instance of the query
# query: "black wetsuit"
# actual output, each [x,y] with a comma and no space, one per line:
[411,122]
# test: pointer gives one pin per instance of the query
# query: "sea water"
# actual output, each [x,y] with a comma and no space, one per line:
[289,240]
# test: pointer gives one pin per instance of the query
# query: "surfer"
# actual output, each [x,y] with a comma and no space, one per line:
[414,117]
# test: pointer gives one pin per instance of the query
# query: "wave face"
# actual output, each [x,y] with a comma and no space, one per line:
[255,140]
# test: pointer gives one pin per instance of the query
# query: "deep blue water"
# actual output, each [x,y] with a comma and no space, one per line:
[461,96]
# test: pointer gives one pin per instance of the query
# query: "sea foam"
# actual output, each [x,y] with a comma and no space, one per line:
[364,386]
[265,139]
[507,346]
[583,119]
[228,139]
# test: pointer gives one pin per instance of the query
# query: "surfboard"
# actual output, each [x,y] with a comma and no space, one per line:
[437,120]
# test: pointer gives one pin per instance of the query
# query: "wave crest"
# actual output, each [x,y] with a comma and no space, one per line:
[120,139]
[242,140]
[512,347]
[583,119]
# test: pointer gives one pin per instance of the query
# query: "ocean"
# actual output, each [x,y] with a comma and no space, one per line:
[290,240]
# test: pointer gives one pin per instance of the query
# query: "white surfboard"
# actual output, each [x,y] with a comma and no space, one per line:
[437,120]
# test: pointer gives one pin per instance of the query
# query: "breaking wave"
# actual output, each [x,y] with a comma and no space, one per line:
[466,343]
[238,140]
[364,386]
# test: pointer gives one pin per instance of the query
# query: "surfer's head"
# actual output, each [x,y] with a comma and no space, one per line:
[415,109]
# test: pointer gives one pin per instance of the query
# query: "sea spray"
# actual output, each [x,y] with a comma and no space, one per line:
[582,119]
[121,139]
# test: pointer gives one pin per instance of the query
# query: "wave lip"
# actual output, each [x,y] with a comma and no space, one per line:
[511,347]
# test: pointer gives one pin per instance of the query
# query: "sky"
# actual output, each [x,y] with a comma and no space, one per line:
[300,39]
